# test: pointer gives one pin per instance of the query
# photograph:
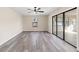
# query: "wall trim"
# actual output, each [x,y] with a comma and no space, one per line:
[12,40]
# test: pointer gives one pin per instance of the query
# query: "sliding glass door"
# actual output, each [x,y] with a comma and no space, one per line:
[54,25]
[65,27]
[70,27]
[60,26]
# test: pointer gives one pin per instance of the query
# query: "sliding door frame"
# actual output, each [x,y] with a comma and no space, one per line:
[53,26]
[63,25]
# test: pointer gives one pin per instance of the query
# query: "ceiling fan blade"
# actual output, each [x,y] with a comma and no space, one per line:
[38,8]
[29,9]
[41,11]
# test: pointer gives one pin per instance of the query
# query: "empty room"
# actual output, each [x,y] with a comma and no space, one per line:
[39,29]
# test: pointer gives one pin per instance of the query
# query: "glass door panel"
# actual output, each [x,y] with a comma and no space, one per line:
[54,25]
[60,26]
[70,27]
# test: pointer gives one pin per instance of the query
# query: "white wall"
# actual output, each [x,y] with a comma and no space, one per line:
[10,24]
[42,23]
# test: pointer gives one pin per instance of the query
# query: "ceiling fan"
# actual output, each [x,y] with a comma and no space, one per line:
[37,10]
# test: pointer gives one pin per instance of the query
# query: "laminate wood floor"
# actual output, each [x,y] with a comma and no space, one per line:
[37,42]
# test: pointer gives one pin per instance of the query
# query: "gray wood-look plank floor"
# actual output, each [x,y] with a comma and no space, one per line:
[37,42]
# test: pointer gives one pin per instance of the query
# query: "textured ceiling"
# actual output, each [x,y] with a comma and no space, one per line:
[25,11]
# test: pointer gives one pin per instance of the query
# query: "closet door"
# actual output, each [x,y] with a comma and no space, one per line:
[54,25]
[71,27]
[60,25]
